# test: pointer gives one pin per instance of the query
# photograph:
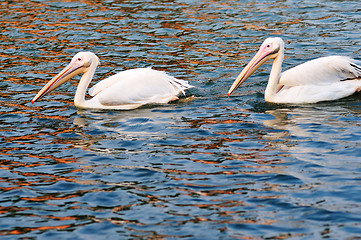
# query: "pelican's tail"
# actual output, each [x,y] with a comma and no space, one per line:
[182,85]
[356,65]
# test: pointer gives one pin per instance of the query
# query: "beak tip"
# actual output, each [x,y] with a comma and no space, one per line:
[228,94]
[33,100]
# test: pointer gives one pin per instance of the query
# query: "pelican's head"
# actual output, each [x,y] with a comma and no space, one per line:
[270,49]
[80,63]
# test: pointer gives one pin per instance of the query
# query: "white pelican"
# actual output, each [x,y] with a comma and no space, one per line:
[321,79]
[126,90]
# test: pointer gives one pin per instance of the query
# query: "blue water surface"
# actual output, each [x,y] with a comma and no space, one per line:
[205,167]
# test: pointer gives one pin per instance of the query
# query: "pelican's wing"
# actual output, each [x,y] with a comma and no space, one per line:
[321,71]
[108,82]
[138,86]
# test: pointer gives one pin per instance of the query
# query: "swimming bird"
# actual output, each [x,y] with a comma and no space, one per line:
[125,90]
[321,79]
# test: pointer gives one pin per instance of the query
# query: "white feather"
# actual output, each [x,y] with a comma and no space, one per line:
[320,71]
[138,86]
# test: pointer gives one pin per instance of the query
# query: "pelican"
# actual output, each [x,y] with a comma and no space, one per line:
[125,90]
[321,79]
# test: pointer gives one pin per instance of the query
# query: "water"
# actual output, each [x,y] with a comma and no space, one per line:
[206,167]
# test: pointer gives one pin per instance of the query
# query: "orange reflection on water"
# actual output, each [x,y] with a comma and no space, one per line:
[22,230]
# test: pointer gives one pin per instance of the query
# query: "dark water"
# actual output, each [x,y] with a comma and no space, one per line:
[206,167]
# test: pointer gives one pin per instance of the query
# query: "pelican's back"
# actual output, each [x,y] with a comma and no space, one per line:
[321,71]
[138,86]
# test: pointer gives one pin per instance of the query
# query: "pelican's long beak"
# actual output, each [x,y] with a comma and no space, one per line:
[260,57]
[73,69]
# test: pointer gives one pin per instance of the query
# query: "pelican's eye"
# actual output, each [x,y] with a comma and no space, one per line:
[79,59]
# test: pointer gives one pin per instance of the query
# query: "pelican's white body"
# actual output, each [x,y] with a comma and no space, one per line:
[126,90]
[133,88]
[321,79]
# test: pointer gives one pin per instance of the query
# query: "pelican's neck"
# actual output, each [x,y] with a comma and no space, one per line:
[273,81]
[79,99]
